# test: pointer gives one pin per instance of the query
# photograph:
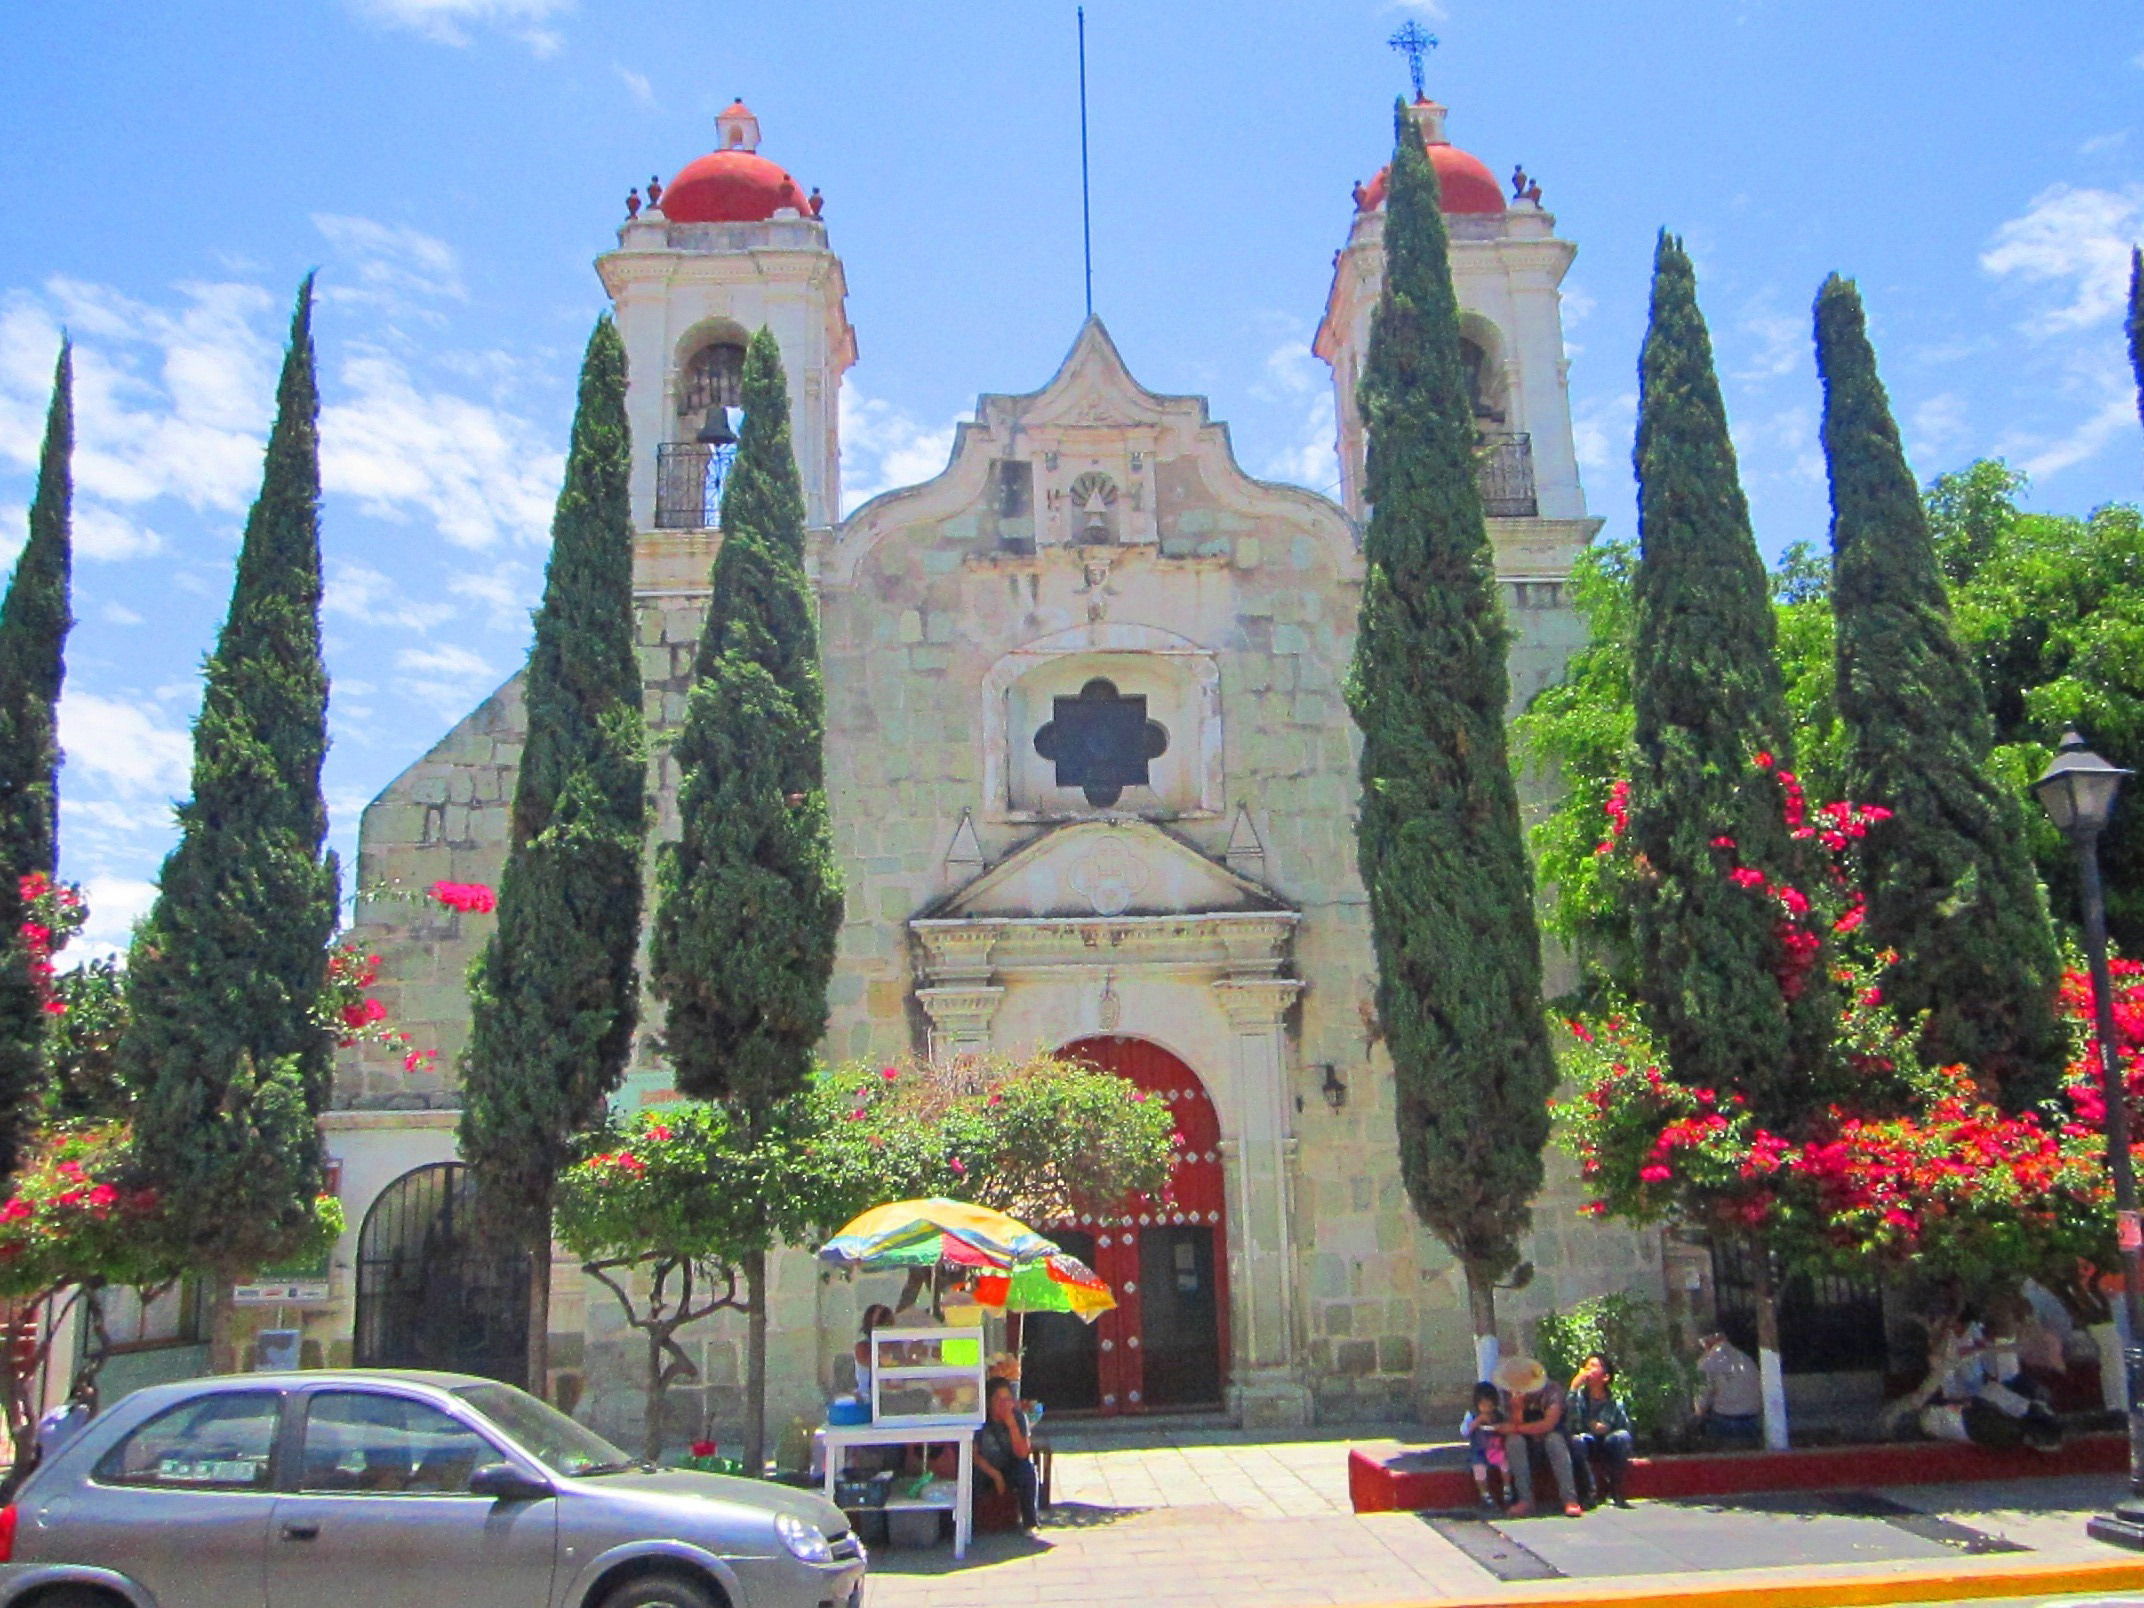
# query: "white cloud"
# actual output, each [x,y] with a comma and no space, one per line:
[1937,425]
[636,85]
[883,448]
[104,533]
[360,592]
[118,614]
[2076,242]
[481,474]
[448,22]
[1601,431]
[2116,416]
[391,263]
[115,904]
[14,530]
[508,591]
[168,402]
[2100,144]
[1784,442]
[1782,343]
[446,676]
[1297,381]
[1426,8]
[447,659]
[123,746]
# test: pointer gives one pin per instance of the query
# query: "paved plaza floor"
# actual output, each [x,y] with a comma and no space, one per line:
[1221,1519]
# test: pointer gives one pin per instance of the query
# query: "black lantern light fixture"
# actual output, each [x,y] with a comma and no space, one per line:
[1332,1088]
[2078,791]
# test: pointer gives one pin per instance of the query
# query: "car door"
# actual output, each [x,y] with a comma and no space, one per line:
[376,1512]
[181,1505]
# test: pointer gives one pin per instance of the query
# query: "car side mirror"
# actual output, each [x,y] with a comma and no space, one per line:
[503,1482]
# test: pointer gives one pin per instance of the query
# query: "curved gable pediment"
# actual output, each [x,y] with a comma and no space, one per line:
[1092,418]
[1105,869]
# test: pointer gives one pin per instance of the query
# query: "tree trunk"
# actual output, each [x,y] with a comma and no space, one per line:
[651,1437]
[755,1365]
[1481,1307]
[1771,1380]
[223,1355]
[539,1354]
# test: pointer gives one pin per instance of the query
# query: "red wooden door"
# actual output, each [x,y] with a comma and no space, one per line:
[1166,1344]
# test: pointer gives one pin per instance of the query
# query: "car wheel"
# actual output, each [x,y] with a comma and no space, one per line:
[663,1591]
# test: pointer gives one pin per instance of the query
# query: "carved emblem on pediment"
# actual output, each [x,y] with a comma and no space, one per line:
[1109,878]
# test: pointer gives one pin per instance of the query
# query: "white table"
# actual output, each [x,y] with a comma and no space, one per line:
[838,1438]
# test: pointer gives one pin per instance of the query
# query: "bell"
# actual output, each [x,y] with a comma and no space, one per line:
[716,432]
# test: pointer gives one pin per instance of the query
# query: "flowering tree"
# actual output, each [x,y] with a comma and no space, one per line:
[1042,1138]
[1895,1165]
[667,1208]
[72,1226]
[664,1209]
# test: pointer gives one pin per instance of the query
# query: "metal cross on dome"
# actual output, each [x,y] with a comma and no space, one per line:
[1414,42]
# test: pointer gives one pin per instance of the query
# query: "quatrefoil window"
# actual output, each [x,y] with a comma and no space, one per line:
[1101,741]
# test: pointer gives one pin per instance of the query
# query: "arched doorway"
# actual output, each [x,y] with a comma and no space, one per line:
[428,1294]
[1166,1344]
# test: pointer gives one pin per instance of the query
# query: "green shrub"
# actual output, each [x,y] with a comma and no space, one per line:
[1654,1383]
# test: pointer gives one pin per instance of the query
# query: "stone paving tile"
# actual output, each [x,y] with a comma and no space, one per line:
[1207,1518]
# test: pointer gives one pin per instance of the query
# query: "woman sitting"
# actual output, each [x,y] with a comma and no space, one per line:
[1600,1427]
[1003,1451]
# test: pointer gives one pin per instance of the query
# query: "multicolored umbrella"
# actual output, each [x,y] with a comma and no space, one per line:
[1058,1283]
[924,1233]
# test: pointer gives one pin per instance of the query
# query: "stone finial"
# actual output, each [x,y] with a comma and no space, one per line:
[655,191]
[1246,851]
[964,855]
[817,203]
[632,202]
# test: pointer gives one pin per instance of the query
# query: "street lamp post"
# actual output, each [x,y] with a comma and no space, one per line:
[2078,791]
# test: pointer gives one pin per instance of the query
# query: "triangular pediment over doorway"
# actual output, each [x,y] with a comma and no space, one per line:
[1105,868]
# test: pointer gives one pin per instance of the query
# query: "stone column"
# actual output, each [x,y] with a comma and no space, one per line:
[1266,1386]
[957,989]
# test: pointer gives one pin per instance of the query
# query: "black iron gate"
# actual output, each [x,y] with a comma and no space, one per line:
[428,1294]
[1827,1322]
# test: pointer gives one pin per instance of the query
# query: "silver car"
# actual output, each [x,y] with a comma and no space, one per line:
[398,1490]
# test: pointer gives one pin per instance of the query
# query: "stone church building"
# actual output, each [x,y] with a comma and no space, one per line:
[1093,786]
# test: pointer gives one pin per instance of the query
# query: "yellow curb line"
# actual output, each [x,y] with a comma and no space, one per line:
[1853,1591]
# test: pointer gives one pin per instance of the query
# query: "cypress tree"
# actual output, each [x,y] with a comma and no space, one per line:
[34,620]
[1708,704]
[1950,883]
[554,996]
[226,971]
[2136,321]
[750,901]
[1438,837]
[1707,699]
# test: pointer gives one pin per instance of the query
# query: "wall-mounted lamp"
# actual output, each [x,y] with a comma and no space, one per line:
[1332,1088]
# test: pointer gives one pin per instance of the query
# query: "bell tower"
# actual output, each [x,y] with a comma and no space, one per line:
[1507,264]
[731,244]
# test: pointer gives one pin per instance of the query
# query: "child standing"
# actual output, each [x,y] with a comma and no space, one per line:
[1482,1428]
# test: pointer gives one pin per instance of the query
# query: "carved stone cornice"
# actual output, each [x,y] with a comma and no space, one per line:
[956,953]
[1256,1004]
[978,948]
[960,1017]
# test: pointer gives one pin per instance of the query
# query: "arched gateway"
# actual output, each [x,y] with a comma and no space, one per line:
[428,1294]
[1166,1344]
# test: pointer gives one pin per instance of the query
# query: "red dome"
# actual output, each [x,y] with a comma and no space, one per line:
[731,187]
[1464,183]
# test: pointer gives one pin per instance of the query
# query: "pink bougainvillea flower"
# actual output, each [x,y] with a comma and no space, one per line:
[658,1132]
[888,1073]
[1656,1172]
[705,1448]
[465,896]
[960,1168]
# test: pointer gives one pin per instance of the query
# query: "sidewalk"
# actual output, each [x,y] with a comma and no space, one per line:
[1226,1519]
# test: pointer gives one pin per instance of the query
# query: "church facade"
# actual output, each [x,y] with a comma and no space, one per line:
[1093,787]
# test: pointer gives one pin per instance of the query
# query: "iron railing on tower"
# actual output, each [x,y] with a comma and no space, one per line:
[688,484]
[1504,469]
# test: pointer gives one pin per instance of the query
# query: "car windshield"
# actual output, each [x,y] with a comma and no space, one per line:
[545,1433]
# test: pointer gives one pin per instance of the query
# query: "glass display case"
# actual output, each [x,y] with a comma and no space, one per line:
[924,1377]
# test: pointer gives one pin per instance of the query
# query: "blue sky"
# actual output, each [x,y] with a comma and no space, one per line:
[451,166]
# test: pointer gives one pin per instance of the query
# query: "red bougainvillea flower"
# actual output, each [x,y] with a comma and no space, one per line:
[658,1132]
[469,897]
[705,1448]
[888,1073]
